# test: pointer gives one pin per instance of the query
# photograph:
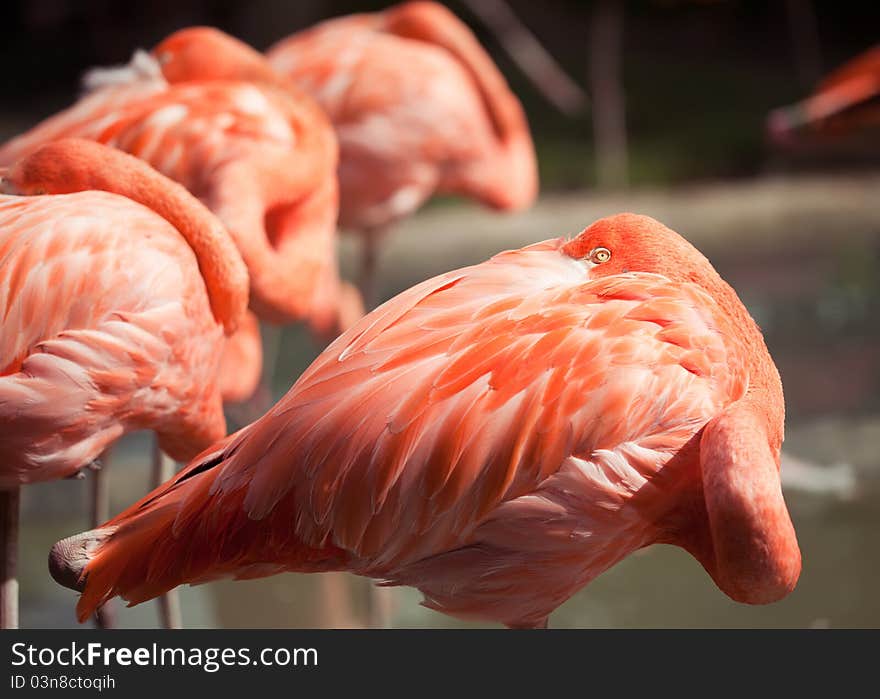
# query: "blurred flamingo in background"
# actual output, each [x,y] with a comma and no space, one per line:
[258,154]
[846,101]
[114,306]
[497,437]
[419,107]
[261,156]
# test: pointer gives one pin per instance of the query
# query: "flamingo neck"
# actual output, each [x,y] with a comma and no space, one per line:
[288,245]
[506,179]
[74,165]
[751,550]
[434,24]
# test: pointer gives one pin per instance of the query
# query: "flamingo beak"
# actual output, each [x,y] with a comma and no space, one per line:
[783,122]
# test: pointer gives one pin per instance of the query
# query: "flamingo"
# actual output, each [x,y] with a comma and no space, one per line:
[261,155]
[846,100]
[418,107]
[116,289]
[496,437]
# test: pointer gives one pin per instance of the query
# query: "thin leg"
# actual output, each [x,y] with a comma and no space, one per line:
[271,357]
[333,602]
[169,603]
[105,616]
[9,507]
[369,268]
[380,607]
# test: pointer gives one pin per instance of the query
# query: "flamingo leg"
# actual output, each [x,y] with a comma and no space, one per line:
[369,267]
[9,509]
[333,603]
[105,616]
[380,607]
[379,599]
[169,603]
[271,336]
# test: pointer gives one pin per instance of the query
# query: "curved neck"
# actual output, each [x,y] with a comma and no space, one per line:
[74,165]
[432,23]
[288,243]
[752,551]
[508,178]
[764,393]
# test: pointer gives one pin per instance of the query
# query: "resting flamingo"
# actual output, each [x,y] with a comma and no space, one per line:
[496,437]
[419,107]
[116,287]
[261,156]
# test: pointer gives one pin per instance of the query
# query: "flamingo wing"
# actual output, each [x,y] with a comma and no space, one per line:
[106,327]
[470,390]
[92,113]
[183,130]
[327,59]
[418,106]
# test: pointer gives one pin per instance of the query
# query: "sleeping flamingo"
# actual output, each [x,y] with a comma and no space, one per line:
[497,437]
[845,101]
[419,107]
[116,287]
[261,156]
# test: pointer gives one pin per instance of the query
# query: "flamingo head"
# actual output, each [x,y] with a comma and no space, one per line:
[206,53]
[59,167]
[634,243]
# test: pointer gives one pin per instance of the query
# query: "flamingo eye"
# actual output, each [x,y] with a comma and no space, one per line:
[599,255]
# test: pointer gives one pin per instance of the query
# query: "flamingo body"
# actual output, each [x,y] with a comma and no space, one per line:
[257,156]
[496,437]
[113,318]
[418,108]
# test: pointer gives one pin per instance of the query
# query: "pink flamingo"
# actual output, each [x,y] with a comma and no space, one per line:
[497,437]
[259,154]
[116,287]
[419,107]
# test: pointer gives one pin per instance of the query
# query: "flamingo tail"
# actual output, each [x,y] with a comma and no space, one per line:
[185,531]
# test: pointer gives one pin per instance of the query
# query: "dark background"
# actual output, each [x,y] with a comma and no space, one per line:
[699,76]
